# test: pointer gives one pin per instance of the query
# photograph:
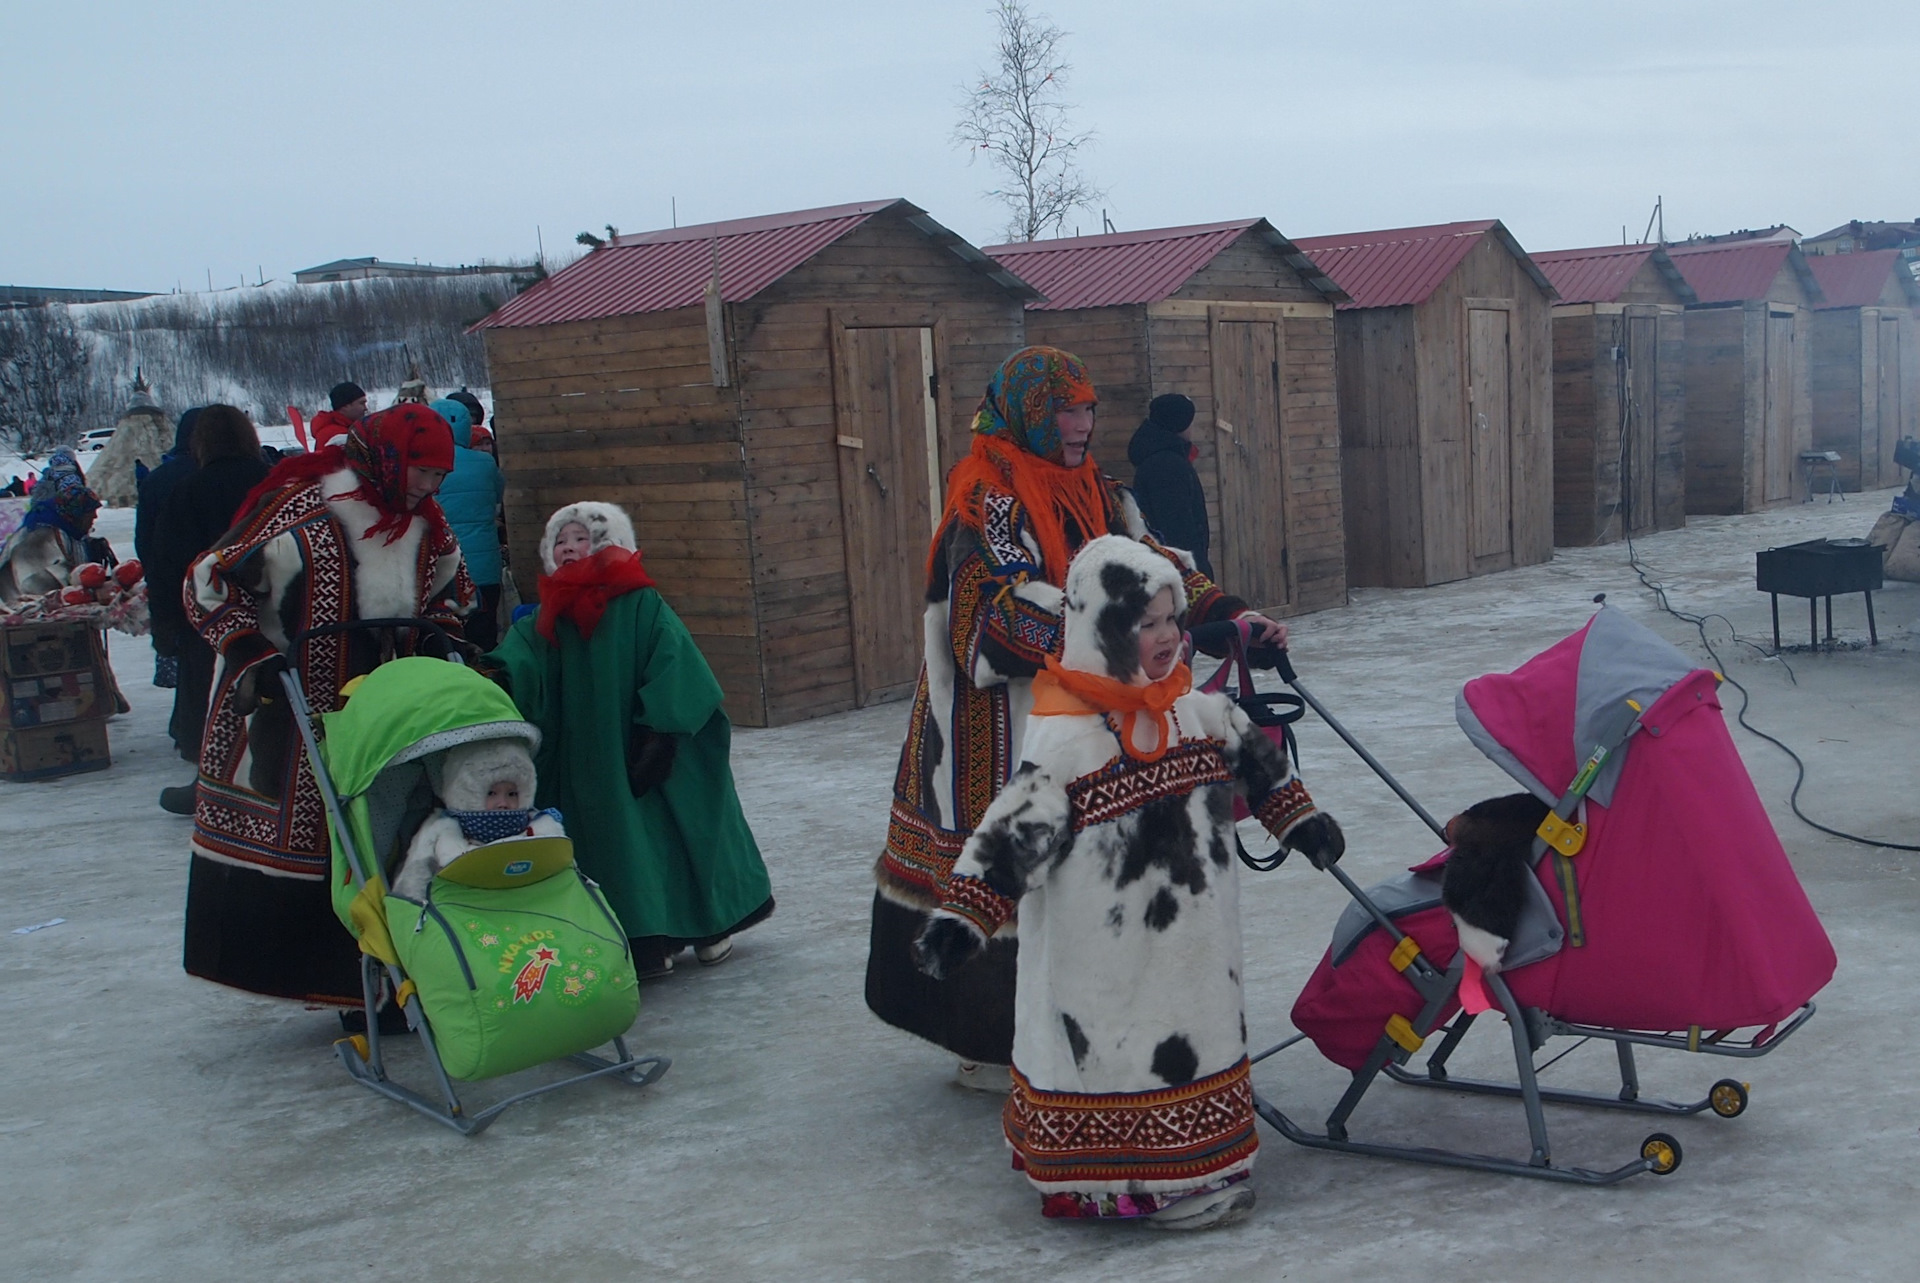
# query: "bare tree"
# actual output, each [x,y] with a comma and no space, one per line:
[43,378]
[1018,116]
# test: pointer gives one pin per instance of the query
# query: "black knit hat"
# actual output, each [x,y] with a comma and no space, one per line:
[472,403]
[345,394]
[1171,412]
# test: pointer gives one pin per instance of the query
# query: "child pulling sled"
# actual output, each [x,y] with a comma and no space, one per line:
[1115,838]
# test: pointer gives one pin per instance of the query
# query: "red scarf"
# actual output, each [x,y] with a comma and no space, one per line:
[379,450]
[1059,691]
[580,590]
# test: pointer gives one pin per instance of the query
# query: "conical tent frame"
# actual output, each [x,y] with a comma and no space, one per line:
[1528,1027]
[361,1054]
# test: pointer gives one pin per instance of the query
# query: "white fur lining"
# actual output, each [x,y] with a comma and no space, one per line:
[386,579]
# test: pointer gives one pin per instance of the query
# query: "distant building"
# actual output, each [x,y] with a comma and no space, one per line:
[366,269]
[12,296]
[1778,232]
[1859,237]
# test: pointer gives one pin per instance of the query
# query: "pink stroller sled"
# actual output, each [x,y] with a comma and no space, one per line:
[1662,913]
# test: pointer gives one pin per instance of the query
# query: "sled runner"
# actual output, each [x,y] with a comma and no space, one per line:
[512,957]
[1662,912]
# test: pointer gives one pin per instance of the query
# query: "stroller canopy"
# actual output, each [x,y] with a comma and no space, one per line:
[1692,912]
[378,747]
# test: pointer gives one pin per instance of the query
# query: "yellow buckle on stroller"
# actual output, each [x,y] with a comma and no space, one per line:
[1404,953]
[1562,836]
[1400,1029]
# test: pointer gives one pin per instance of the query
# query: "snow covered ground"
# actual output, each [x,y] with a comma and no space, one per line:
[157,1127]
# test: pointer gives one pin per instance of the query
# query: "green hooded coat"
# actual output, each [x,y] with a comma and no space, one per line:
[679,862]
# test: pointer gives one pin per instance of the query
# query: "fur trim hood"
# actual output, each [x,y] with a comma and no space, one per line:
[469,770]
[607,526]
[1109,586]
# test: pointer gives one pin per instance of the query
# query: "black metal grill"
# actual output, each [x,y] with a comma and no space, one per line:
[1816,569]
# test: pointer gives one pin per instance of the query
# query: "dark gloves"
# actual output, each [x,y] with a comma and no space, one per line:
[444,645]
[1318,837]
[649,759]
[945,945]
[100,550]
[259,685]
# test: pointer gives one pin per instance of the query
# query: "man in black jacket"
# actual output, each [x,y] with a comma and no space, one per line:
[1164,482]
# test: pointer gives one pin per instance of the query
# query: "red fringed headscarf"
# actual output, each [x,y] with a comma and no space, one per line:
[1016,445]
[579,591]
[379,450]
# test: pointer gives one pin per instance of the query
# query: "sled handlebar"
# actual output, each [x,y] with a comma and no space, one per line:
[368,625]
[1217,639]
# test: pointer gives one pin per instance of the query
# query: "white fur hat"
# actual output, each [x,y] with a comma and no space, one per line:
[1109,585]
[606,525]
[469,770]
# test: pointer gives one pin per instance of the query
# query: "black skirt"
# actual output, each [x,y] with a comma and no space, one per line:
[970,1013]
[268,935]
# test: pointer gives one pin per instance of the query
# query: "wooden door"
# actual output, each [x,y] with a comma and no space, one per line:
[1489,433]
[888,445]
[1778,457]
[1877,467]
[1640,451]
[1250,547]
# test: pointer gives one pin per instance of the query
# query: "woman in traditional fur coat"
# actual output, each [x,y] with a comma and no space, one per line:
[1115,839]
[1018,507]
[634,744]
[348,532]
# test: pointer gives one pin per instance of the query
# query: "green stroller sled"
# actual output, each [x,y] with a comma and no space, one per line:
[512,958]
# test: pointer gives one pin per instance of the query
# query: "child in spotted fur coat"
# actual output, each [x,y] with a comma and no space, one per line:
[1115,838]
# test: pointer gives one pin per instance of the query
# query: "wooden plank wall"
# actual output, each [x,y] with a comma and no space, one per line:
[1382,498]
[1845,376]
[1586,421]
[1717,393]
[1113,343]
[1489,271]
[624,410]
[882,274]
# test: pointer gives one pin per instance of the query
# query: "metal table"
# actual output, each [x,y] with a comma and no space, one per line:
[1816,569]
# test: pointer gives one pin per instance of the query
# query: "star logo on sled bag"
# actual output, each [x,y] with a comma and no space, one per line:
[533,976]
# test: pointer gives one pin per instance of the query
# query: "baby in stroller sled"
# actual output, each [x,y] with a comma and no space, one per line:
[483,789]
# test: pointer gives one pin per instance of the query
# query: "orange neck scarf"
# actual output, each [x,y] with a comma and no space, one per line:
[1059,691]
[1051,494]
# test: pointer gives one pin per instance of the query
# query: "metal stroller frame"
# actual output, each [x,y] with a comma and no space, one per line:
[1529,1027]
[361,1053]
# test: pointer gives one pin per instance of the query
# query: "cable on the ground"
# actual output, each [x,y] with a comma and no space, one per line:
[1699,623]
[1624,509]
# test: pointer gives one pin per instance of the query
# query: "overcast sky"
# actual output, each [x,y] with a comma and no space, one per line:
[143,145]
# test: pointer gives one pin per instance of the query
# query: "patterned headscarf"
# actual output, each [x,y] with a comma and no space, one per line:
[61,498]
[382,447]
[1016,446]
[1025,393]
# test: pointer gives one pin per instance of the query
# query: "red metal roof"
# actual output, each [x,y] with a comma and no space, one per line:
[1602,273]
[1137,267]
[1857,280]
[1401,266]
[1740,271]
[661,270]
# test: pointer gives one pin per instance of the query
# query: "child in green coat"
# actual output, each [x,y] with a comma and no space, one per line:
[634,747]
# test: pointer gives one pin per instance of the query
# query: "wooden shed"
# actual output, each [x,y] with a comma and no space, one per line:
[776,402]
[1619,392]
[1235,317]
[1749,408]
[1446,401]
[1866,372]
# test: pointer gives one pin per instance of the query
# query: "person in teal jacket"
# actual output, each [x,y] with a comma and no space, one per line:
[470,496]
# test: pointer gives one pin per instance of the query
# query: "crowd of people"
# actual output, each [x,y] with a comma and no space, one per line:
[1058,772]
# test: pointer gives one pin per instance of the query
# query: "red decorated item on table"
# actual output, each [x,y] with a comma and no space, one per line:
[90,575]
[128,573]
[76,596]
